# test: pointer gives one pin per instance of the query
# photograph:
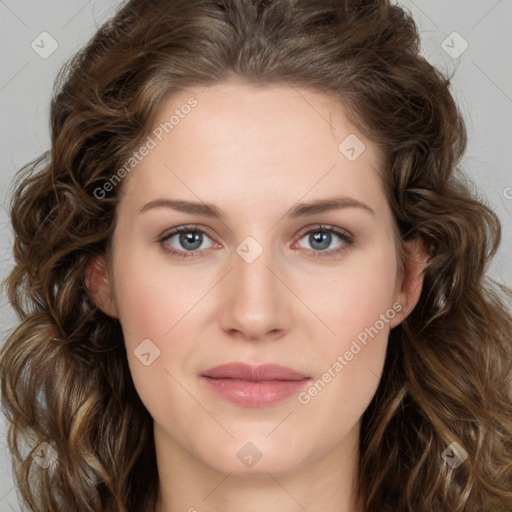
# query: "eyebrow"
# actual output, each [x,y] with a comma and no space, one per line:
[300,210]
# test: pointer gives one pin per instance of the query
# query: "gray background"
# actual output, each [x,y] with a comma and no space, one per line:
[482,86]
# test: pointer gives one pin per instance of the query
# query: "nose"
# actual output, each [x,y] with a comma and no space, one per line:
[255,301]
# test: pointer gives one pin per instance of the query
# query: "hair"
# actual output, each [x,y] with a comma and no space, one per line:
[64,374]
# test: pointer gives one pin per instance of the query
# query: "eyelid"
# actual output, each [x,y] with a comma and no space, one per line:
[325,227]
[184,227]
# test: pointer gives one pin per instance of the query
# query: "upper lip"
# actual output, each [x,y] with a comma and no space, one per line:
[262,372]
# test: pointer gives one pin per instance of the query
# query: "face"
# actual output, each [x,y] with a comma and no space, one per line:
[297,268]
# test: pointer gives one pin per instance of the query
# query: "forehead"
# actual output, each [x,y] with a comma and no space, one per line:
[233,110]
[257,141]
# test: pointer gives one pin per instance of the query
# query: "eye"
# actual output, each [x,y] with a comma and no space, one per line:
[321,238]
[189,240]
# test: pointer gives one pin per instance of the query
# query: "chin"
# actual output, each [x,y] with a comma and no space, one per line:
[256,456]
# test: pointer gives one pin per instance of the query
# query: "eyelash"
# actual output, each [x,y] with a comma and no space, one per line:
[345,237]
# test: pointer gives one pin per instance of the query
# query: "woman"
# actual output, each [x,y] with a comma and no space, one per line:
[250,276]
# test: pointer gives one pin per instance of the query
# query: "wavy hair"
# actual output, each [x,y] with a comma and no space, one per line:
[64,374]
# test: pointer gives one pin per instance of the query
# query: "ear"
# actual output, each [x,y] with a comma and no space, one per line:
[97,281]
[408,288]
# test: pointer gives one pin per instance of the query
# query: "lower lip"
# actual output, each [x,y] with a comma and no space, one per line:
[255,393]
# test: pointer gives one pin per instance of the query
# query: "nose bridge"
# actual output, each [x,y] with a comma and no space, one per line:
[254,283]
[254,303]
[251,271]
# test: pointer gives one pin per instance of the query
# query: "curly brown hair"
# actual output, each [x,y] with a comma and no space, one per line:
[63,371]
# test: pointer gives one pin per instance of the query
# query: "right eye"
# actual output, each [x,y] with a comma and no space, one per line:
[189,238]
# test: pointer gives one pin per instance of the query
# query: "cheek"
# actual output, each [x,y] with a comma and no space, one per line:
[152,310]
[152,298]
[158,314]
[354,296]
[358,307]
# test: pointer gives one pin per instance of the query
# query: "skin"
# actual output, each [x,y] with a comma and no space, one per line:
[255,152]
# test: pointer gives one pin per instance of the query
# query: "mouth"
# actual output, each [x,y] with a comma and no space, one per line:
[254,386]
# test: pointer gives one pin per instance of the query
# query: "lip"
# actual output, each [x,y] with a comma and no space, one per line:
[254,385]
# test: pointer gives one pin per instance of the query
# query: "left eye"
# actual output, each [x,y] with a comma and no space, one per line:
[320,238]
